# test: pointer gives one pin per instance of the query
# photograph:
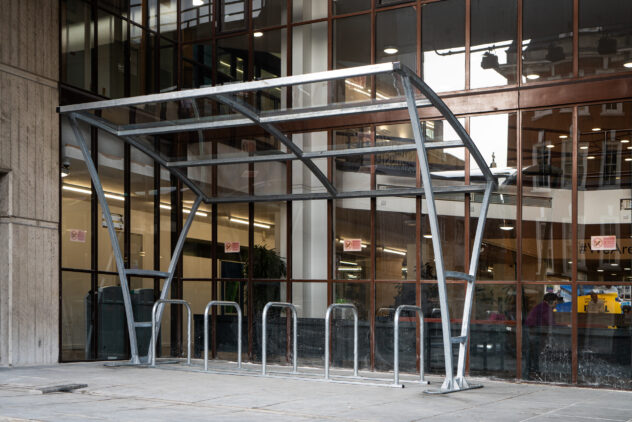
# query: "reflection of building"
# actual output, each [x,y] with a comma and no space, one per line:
[557,119]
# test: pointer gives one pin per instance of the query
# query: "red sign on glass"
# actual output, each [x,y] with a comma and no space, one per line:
[78,236]
[231,247]
[352,245]
[603,243]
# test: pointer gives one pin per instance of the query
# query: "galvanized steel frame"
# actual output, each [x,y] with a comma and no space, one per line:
[222,94]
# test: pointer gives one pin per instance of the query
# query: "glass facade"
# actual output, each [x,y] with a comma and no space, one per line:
[553,297]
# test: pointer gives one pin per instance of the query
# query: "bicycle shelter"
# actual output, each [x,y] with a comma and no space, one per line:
[150,122]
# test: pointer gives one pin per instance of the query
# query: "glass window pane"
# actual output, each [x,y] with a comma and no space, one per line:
[232,14]
[396,32]
[443,45]
[493,43]
[77,333]
[269,13]
[395,170]
[546,350]
[347,51]
[195,19]
[112,33]
[232,59]
[142,194]
[352,172]
[309,240]
[145,13]
[142,67]
[197,62]
[348,6]
[605,36]
[305,10]
[111,172]
[168,66]
[270,250]
[352,239]
[111,330]
[76,228]
[396,250]
[196,255]
[546,188]
[358,294]
[495,137]
[169,19]
[604,179]
[603,327]
[232,226]
[166,226]
[270,58]
[198,294]
[547,40]
[77,41]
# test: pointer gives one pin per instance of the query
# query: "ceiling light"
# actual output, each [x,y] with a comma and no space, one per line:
[584,147]
[563,136]
[629,147]
[628,159]
[245,222]
[570,262]
[614,264]
[506,228]
[427,236]
[590,157]
[198,2]
[349,269]
[533,76]
[628,65]
[76,189]
[625,141]
[394,251]
[257,34]
[391,50]
[348,263]
[198,213]
[596,129]
[165,206]
[626,269]
[549,146]
[600,271]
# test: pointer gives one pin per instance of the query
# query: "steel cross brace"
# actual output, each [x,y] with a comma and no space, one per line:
[116,249]
[450,384]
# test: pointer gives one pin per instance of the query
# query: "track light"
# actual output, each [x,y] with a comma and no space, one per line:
[489,61]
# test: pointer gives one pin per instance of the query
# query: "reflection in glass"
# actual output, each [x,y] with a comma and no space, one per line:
[546,351]
[347,6]
[77,332]
[269,13]
[270,61]
[232,226]
[195,19]
[142,194]
[309,54]
[493,43]
[77,41]
[604,179]
[546,204]
[352,172]
[232,15]
[547,40]
[197,62]
[443,44]
[112,35]
[605,36]
[142,68]
[169,19]
[604,322]
[196,255]
[495,137]
[232,60]
[309,258]
[357,294]
[351,49]
[352,239]
[305,10]
[168,66]
[395,251]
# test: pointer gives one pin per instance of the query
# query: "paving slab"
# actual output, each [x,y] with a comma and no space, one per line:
[179,392]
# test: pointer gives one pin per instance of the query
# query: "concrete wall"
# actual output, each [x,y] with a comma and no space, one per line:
[29,179]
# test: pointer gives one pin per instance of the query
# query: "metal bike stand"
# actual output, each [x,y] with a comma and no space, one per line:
[355,335]
[396,342]
[239,319]
[264,333]
[152,346]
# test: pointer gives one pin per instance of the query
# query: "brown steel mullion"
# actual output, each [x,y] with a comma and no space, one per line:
[575,40]
[468,41]
[519,246]
[574,236]
[373,220]
[214,246]
[519,45]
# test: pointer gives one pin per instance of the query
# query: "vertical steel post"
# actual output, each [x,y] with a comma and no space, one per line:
[448,384]
[469,294]
[420,315]
[116,249]
[172,267]
[355,335]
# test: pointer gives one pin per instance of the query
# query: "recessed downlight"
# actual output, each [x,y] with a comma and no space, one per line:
[596,129]
[590,157]
[533,76]
[628,65]
[563,136]
[257,34]
[391,50]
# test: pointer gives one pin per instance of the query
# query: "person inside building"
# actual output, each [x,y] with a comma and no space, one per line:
[538,330]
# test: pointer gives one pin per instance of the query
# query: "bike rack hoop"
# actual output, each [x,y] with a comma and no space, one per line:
[152,346]
[264,333]
[239,320]
[396,342]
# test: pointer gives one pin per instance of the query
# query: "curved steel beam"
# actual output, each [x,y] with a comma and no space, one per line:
[274,131]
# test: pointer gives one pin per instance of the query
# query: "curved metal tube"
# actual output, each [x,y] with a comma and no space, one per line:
[264,333]
[396,342]
[355,335]
[152,346]
[239,319]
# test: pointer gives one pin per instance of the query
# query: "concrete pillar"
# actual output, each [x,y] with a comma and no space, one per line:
[29,182]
